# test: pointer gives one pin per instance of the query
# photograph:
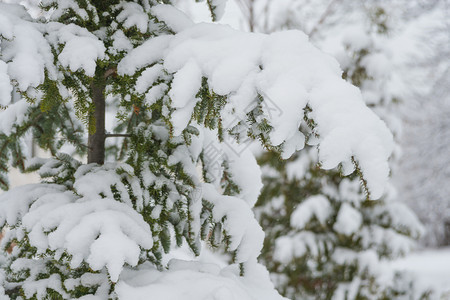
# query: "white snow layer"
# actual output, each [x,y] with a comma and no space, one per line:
[430,266]
[81,48]
[23,47]
[348,220]
[174,18]
[246,235]
[218,7]
[289,73]
[133,14]
[287,248]
[99,230]
[5,86]
[197,280]
[315,206]
[13,114]
[26,48]
[242,165]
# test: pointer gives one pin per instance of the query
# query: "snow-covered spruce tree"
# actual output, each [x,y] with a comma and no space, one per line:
[181,92]
[324,236]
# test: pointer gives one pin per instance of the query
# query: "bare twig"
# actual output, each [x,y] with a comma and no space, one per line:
[328,11]
[248,9]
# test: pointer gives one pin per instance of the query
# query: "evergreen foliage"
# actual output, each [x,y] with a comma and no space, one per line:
[108,230]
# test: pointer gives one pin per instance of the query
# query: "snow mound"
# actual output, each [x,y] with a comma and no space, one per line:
[190,280]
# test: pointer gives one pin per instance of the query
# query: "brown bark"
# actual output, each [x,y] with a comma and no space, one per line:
[96,140]
[10,249]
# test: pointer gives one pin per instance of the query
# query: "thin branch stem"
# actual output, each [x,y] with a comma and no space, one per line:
[117,135]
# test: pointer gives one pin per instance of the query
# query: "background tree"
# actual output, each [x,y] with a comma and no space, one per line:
[426,130]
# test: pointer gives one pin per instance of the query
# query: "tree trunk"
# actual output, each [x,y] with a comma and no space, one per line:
[96,141]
